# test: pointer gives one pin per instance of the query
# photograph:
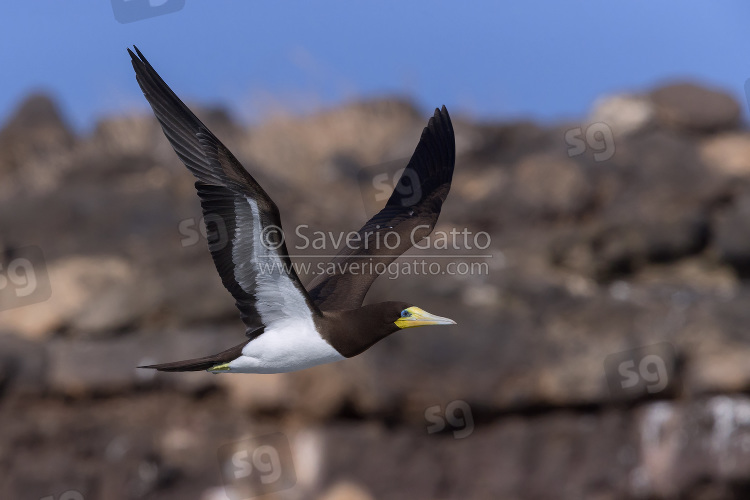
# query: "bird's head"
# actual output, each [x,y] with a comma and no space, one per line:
[354,331]
[404,315]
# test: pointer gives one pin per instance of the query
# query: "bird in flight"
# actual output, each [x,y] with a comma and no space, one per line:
[289,327]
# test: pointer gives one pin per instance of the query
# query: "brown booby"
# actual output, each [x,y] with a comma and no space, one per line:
[287,326]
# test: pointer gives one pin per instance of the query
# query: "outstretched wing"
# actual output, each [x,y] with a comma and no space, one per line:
[245,235]
[411,213]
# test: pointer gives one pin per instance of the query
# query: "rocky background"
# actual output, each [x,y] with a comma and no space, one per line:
[603,353]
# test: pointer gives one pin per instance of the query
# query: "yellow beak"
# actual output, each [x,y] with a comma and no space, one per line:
[420,317]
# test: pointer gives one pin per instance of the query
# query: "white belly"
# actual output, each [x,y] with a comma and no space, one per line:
[291,344]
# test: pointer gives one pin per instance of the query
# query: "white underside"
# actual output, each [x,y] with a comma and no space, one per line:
[290,341]
[291,345]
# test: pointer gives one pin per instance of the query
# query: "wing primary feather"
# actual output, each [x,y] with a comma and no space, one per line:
[230,198]
[431,169]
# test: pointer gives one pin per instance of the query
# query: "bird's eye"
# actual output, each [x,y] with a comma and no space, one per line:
[405,313]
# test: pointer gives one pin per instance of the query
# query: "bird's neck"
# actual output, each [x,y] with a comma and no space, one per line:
[354,331]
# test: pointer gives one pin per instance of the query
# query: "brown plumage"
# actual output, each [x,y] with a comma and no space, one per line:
[267,301]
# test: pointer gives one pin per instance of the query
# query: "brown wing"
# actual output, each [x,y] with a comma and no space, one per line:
[411,212]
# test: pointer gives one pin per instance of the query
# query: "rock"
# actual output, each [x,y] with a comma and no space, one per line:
[259,392]
[197,296]
[23,366]
[128,136]
[479,186]
[50,479]
[485,464]
[346,490]
[481,296]
[624,114]
[592,261]
[85,367]
[90,296]
[730,227]
[298,148]
[675,235]
[697,274]
[35,144]
[684,445]
[35,132]
[728,154]
[320,392]
[720,368]
[605,253]
[214,493]
[93,367]
[548,186]
[694,108]
[135,143]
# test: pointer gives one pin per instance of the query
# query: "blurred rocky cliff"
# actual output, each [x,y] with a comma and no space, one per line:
[619,252]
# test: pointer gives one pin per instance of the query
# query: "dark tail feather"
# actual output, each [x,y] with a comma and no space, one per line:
[199,364]
[189,365]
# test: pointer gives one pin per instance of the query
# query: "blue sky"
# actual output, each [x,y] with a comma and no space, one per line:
[540,59]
